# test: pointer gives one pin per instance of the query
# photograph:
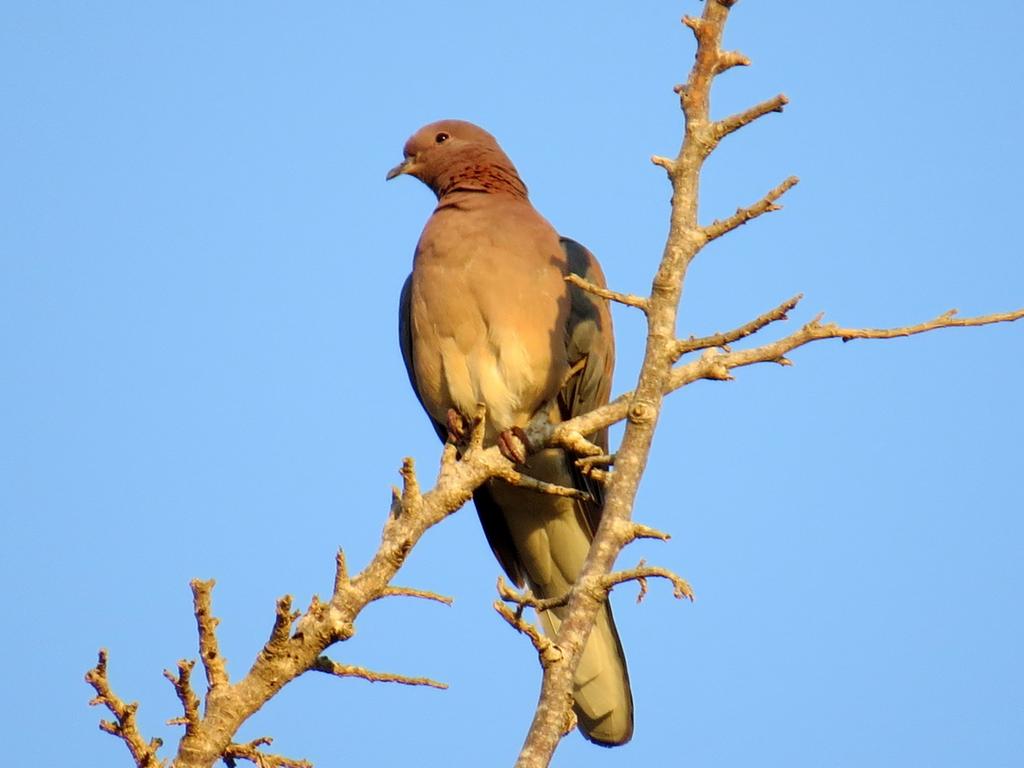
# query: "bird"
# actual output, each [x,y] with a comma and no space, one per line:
[486,317]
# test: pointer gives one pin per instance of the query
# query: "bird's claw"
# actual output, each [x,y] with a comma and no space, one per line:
[513,445]
[456,424]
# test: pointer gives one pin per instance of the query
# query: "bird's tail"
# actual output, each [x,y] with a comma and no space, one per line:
[546,539]
[603,701]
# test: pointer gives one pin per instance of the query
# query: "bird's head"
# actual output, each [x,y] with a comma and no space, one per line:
[452,155]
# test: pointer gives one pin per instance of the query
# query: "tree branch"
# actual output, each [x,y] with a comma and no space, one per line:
[182,683]
[780,312]
[251,751]
[680,587]
[765,205]
[622,298]
[124,726]
[547,651]
[716,366]
[733,123]
[410,592]
[209,650]
[331,667]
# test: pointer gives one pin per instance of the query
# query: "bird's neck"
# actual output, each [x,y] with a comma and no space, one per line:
[489,172]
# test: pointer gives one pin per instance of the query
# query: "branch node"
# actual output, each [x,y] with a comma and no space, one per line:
[284,617]
[696,25]
[667,163]
[729,59]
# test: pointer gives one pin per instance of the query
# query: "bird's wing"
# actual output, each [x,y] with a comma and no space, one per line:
[591,352]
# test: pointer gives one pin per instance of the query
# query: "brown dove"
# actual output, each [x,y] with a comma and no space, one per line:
[487,317]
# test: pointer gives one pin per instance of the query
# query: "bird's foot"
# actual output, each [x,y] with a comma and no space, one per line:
[456,424]
[513,445]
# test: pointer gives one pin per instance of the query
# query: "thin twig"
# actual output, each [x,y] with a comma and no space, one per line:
[680,587]
[640,531]
[518,479]
[526,598]
[722,339]
[547,651]
[410,592]
[622,298]
[717,366]
[733,123]
[574,441]
[766,204]
[182,683]
[331,667]
[251,751]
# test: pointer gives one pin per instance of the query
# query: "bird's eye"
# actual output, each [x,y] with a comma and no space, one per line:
[442,137]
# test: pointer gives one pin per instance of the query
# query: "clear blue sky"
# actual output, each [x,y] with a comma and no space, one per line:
[199,375]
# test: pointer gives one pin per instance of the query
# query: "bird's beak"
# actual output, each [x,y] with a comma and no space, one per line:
[398,170]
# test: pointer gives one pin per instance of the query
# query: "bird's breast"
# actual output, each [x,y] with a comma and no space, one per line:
[488,325]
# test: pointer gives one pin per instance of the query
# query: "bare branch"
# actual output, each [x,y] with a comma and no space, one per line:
[518,479]
[411,496]
[733,123]
[251,751]
[125,726]
[547,651]
[340,571]
[622,298]
[680,587]
[711,366]
[766,204]
[588,465]
[716,366]
[722,339]
[664,162]
[573,441]
[526,598]
[646,532]
[729,59]
[283,620]
[182,683]
[603,460]
[209,650]
[331,667]
[410,592]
